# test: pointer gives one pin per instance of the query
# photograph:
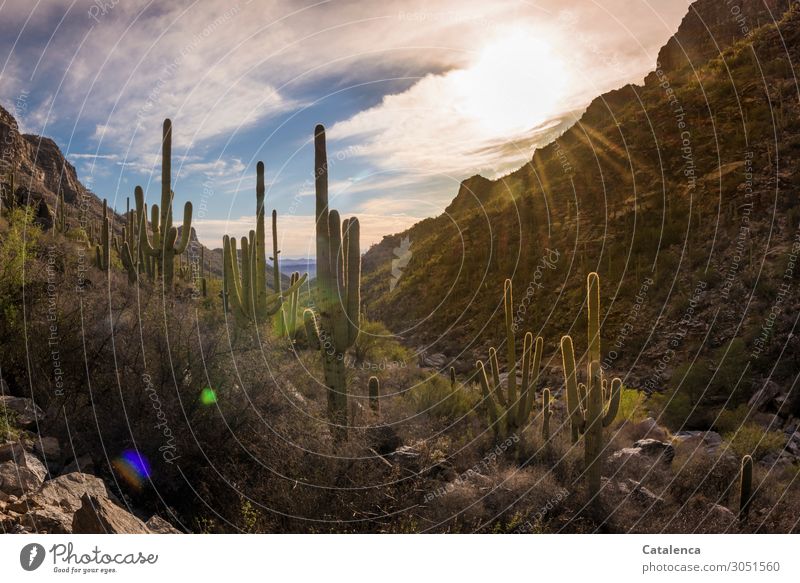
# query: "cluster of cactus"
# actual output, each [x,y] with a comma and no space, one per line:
[339,291]
[164,244]
[245,289]
[508,411]
[593,406]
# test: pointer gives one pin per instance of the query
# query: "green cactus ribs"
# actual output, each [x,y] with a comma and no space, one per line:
[508,412]
[588,407]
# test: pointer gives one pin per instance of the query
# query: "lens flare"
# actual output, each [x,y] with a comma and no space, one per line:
[208,396]
[133,467]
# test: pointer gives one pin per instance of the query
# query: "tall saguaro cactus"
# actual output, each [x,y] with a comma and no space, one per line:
[507,412]
[102,251]
[339,289]
[245,290]
[165,245]
[60,222]
[589,414]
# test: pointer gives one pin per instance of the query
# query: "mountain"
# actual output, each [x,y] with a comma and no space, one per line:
[679,192]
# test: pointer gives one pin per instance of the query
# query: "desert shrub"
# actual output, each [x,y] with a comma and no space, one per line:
[631,405]
[434,396]
[730,420]
[752,439]
[8,429]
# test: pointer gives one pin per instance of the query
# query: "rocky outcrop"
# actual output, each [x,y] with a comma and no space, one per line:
[98,515]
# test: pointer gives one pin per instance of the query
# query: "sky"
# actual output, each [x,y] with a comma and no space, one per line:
[415,95]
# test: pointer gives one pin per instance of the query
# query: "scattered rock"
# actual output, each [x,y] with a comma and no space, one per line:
[383,439]
[656,448]
[48,448]
[11,451]
[705,440]
[764,396]
[83,464]
[98,515]
[25,411]
[158,525]
[24,475]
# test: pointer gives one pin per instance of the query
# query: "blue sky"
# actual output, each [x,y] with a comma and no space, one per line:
[416,95]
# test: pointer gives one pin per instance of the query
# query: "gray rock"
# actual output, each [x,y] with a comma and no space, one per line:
[24,475]
[98,515]
[47,448]
[649,428]
[764,396]
[11,451]
[656,448]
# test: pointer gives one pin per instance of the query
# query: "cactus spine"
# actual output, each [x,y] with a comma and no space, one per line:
[587,408]
[745,487]
[339,288]
[507,412]
[165,245]
[374,394]
[245,291]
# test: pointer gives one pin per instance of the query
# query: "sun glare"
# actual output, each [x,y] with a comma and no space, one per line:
[514,85]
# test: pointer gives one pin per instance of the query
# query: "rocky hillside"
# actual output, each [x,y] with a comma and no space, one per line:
[680,192]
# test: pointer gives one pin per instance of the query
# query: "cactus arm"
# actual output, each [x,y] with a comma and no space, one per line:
[522,410]
[613,402]
[453,383]
[495,369]
[574,410]
[533,375]
[312,331]
[488,398]
[186,228]
[128,263]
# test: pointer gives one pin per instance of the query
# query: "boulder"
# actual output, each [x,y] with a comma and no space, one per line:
[98,515]
[83,464]
[24,411]
[705,441]
[47,448]
[158,525]
[656,448]
[11,451]
[764,396]
[23,475]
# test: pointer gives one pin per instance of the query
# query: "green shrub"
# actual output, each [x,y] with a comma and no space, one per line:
[8,430]
[437,398]
[729,421]
[631,405]
[752,439]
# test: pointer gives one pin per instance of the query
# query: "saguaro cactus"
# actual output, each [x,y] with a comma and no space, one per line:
[339,289]
[165,245]
[60,222]
[590,413]
[102,251]
[374,394]
[245,290]
[506,411]
[745,487]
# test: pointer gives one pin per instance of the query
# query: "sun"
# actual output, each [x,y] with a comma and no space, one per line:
[515,84]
